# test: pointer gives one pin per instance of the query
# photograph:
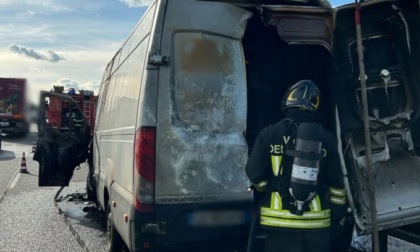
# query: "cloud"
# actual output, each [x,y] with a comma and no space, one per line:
[137,3]
[47,5]
[37,70]
[49,55]
[92,85]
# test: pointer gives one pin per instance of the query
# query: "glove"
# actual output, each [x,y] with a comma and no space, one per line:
[260,187]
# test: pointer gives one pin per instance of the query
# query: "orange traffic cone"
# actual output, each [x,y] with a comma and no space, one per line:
[23,168]
[33,146]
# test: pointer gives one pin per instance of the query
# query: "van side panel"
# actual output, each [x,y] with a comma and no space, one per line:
[117,119]
[103,91]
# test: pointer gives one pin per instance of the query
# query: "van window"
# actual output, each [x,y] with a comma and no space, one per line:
[103,91]
[107,72]
[126,49]
[115,61]
[143,28]
[101,103]
[209,89]
[132,84]
[113,97]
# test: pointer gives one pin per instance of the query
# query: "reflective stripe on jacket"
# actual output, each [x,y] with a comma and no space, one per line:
[276,216]
[268,161]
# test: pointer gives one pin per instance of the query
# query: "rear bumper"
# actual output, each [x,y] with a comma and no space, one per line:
[179,235]
[14,126]
[13,130]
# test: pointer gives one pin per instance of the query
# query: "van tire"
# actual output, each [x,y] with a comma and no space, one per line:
[114,241]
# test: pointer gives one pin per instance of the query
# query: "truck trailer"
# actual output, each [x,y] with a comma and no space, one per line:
[13,119]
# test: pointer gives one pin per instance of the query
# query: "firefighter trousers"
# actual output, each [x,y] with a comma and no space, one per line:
[305,241]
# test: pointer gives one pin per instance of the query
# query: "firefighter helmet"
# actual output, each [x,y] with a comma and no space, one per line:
[304,94]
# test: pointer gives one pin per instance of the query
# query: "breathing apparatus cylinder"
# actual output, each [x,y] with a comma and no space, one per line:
[306,162]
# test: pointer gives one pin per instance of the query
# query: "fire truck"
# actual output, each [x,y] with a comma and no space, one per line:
[65,114]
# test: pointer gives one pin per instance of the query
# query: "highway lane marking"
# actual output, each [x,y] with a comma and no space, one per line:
[15,180]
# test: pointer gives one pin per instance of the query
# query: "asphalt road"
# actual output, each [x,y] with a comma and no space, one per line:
[30,220]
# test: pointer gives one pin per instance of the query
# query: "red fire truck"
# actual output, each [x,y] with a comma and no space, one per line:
[65,115]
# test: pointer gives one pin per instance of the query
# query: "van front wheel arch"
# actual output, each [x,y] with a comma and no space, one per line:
[114,241]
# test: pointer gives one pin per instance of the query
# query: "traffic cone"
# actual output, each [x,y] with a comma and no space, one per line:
[23,168]
[33,147]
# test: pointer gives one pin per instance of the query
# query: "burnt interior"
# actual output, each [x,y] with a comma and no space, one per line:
[273,65]
[390,35]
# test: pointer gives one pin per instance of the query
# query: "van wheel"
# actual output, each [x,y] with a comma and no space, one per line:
[114,242]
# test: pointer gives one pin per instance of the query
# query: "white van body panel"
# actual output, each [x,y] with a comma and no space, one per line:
[202,105]
[201,150]
[117,121]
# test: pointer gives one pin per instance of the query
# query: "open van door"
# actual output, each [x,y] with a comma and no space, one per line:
[63,139]
[391,46]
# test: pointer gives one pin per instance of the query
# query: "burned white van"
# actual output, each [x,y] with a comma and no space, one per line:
[184,98]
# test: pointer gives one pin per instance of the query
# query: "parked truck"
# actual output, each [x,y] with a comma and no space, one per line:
[13,118]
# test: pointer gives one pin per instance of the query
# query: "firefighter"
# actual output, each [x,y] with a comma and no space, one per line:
[295,164]
[78,121]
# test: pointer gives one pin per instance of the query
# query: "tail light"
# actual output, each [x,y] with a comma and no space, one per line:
[18,116]
[144,170]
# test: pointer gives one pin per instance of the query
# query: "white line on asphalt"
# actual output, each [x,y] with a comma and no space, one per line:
[15,181]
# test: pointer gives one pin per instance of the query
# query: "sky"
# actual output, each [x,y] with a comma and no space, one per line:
[61,42]
[65,42]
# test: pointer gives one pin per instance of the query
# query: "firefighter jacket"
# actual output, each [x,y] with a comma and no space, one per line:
[269,169]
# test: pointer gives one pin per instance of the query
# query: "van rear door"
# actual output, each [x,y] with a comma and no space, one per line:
[391,46]
[201,118]
[63,139]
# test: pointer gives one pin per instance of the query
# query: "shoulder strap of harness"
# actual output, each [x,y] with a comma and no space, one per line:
[281,183]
